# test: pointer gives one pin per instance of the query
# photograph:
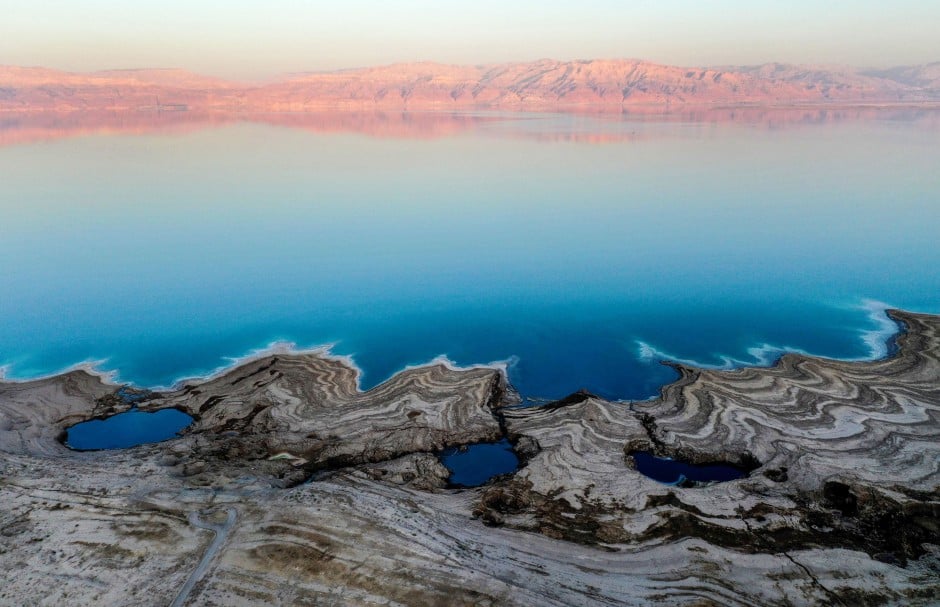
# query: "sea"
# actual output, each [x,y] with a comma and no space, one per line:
[577,250]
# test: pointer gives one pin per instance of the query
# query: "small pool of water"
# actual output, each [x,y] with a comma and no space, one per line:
[127,429]
[675,472]
[474,465]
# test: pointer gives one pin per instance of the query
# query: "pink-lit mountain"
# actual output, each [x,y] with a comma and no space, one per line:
[543,84]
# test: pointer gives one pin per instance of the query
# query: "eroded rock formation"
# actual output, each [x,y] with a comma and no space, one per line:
[841,506]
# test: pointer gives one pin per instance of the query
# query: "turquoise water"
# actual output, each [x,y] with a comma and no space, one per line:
[578,250]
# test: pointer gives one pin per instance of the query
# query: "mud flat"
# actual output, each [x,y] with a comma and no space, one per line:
[293,487]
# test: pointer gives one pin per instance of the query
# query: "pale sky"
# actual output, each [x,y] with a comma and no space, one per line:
[253,39]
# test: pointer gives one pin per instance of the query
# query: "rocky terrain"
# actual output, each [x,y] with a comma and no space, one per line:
[538,85]
[294,487]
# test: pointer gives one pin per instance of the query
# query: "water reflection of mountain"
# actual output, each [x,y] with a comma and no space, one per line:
[600,126]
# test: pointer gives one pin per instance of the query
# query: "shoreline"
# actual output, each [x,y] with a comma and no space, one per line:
[881,341]
[839,506]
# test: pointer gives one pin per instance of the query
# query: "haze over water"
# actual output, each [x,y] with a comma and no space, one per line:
[580,249]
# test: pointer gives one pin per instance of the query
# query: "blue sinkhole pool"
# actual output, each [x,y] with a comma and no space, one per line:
[127,429]
[474,465]
[676,472]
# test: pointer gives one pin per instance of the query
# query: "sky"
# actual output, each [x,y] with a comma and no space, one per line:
[257,39]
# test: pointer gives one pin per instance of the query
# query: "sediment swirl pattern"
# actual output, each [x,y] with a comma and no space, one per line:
[840,507]
[311,406]
[873,422]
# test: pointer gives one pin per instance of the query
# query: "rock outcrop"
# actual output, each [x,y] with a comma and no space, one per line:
[844,455]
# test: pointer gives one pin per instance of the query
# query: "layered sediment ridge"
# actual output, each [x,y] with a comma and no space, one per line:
[840,507]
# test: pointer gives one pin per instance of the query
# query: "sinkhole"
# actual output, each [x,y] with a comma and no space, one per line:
[474,465]
[676,472]
[127,429]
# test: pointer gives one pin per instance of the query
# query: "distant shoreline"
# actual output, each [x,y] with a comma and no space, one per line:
[637,109]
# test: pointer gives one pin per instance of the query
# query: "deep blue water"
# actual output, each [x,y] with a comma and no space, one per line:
[581,250]
[127,429]
[474,465]
[673,472]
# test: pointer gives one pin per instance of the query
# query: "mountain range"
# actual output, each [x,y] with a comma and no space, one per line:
[543,84]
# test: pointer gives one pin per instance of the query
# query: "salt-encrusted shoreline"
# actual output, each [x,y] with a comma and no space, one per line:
[841,507]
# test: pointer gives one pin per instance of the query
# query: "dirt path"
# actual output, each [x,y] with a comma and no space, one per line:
[221,533]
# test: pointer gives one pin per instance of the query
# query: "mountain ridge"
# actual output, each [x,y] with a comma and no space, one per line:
[540,84]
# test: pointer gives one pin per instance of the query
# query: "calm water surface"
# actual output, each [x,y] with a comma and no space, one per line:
[581,250]
[474,465]
[127,429]
[675,472]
